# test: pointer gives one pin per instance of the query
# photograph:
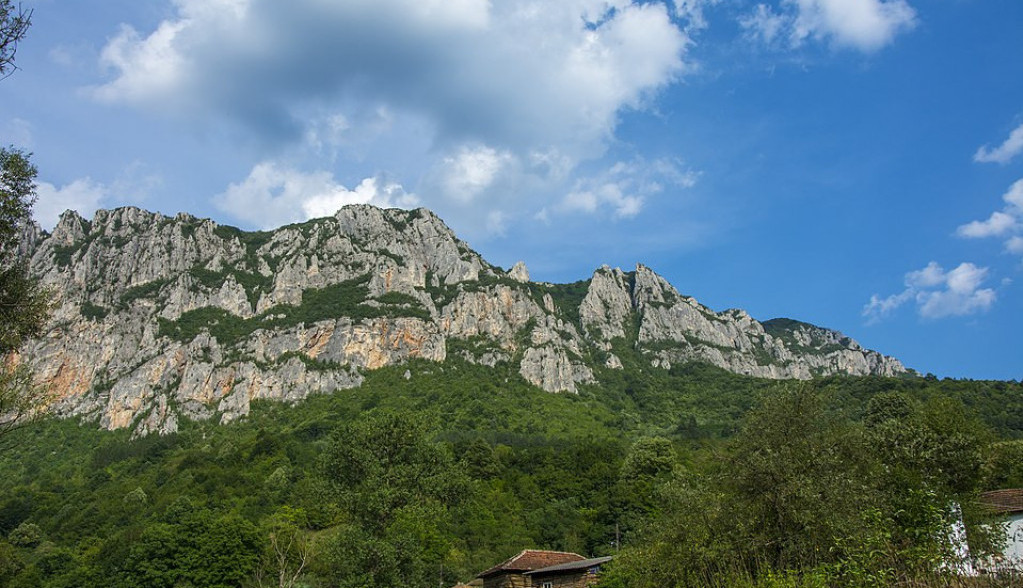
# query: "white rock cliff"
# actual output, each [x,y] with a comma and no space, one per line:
[163,318]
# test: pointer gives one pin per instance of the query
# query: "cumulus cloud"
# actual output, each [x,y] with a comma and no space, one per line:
[1012,147]
[274,194]
[1015,245]
[472,170]
[961,293]
[1006,223]
[483,106]
[998,224]
[83,195]
[86,195]
[1014,197]
[937,293]
[148,67]
[864,25]
[610,194]
[625,187]
[517,74]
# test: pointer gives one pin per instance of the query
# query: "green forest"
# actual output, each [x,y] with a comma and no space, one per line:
[430,473]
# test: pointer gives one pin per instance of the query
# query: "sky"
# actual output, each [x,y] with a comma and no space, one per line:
[855,164]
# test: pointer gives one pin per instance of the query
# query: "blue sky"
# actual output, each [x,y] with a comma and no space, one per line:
[850,163]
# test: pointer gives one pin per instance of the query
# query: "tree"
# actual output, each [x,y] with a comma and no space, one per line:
[806,496]
[14,23]
[397,490]
[287,553]
[24,303]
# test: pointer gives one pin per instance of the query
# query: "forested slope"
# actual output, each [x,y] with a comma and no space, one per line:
[435,472]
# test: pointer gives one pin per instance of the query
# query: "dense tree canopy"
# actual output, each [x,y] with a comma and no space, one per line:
[822,499]
[24,304]
[438,477]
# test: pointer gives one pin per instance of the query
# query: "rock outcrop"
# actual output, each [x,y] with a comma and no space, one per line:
[162,318]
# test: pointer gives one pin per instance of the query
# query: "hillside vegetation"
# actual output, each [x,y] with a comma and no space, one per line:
[432,472]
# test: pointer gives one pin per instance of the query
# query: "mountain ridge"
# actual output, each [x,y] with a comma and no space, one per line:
[160,318]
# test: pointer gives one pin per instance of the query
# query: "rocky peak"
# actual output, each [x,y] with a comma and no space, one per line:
[164,318]
[606,310]
[519,272]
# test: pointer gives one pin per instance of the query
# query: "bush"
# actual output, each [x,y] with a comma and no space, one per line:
[26,535]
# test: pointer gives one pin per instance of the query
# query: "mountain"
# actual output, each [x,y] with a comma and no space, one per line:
[161,318]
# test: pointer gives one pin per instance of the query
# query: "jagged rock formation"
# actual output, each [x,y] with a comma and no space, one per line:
[162,318]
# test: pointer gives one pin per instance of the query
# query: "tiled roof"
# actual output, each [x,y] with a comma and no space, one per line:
[1003,501]
[573,565]
[532,559]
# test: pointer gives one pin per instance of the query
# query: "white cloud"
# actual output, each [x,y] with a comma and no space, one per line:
[149,68]
[1014,197]
[692,12]
[1006,222]
[929,277]
[589,201]
[963,294]
[864,25]
[625,187]
[274,194]
[1015,245]
[764,24]
[998,224]
[472,170]
[1012,147]
[937,293]
[515,75]
[369,191]
[133,185]
[867,25]
[581,200]
[482,106]
[879,308]
[82,195]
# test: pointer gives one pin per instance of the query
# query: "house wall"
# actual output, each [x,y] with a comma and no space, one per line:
[579,579]
[507,581]
[1011,558]
[1013,554]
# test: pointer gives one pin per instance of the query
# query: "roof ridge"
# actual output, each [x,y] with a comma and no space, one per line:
[549,551]
[524,554]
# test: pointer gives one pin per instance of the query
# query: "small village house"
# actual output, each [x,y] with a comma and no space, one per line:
[574,574]
[534,568]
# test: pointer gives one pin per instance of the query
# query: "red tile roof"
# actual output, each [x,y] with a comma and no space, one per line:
[1003,501]
[532,559]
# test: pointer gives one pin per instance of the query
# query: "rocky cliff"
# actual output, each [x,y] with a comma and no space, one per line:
[162,318]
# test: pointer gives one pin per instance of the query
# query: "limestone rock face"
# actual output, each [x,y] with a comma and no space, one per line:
[607,307]
[519,272]
[160,319]
[550,367]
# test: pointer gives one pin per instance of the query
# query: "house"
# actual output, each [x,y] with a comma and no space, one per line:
[1009,504]
[512,573]
[574,574]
